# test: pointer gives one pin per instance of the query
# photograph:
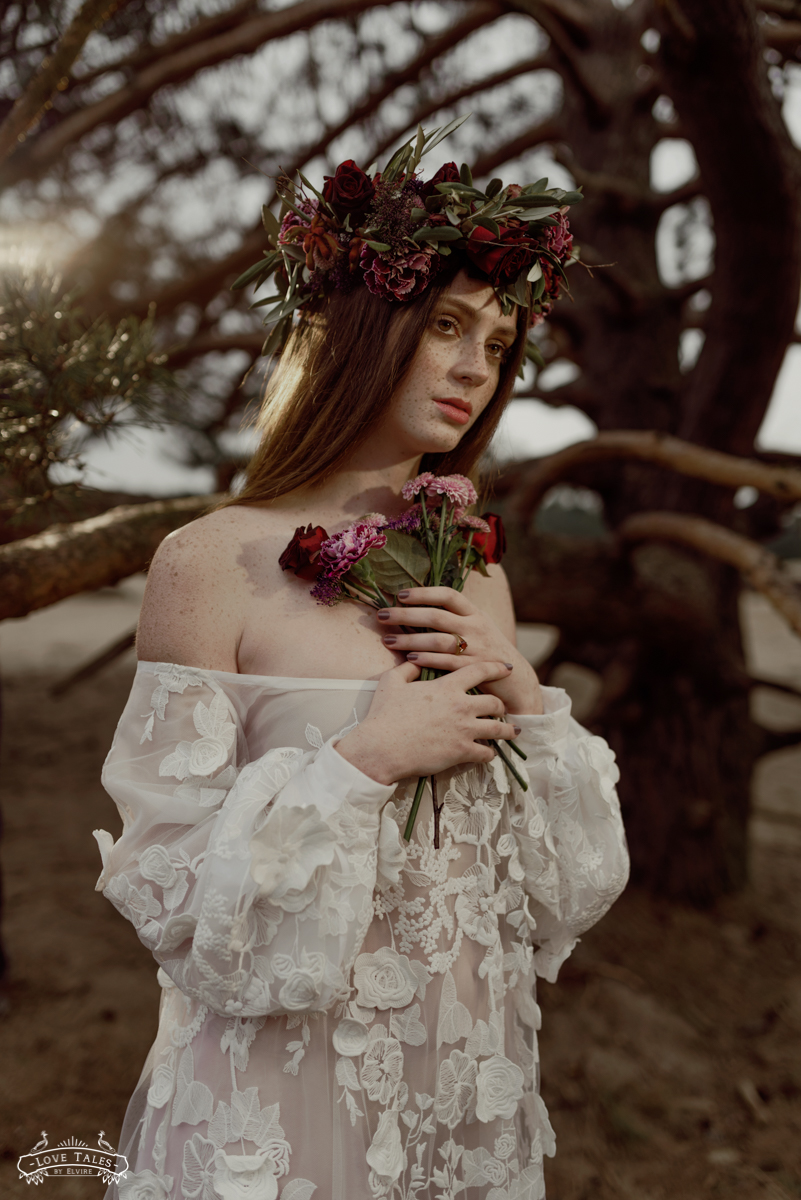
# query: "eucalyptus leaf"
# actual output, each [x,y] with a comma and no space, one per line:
[534,353]
[402,562]
[270,222]
[437,233]
[488,223]
[437,135]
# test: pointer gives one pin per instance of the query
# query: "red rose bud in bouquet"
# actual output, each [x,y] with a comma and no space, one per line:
[492,545]
[303,552]
[503,257]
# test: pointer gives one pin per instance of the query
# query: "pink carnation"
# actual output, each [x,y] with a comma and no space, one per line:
[343,550]
[374,520]
[397,278]
[292,220]
[558,238]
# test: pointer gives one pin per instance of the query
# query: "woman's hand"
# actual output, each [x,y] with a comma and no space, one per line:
[452,616]
[420,728]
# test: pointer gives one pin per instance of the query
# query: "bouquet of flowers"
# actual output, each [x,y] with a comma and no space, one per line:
[435,543]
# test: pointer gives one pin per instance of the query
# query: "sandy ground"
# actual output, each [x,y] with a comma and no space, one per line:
[671,1044]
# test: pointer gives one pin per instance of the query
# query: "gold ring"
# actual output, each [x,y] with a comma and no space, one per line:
[461,644]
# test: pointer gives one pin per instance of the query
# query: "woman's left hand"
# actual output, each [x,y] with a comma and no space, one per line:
[451,616]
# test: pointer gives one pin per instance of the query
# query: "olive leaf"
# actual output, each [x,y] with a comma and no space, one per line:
[401,563]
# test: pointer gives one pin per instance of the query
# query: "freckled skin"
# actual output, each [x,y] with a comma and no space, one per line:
[216,597]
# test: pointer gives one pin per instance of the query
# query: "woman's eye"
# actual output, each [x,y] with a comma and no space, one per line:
[445,324]
[497,350]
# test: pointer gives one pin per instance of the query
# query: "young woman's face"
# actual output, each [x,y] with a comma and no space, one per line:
[455,372]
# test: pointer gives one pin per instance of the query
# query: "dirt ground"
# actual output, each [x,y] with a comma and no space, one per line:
[671,1044]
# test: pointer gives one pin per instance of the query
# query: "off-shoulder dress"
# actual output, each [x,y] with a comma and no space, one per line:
[342,1014]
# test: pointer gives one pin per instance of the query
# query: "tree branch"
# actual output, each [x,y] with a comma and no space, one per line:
[429,107]
[758,566]
[250,341]
[51,74]
[66,559]
[647,446]
[786,35]
[549,130]
[176,68]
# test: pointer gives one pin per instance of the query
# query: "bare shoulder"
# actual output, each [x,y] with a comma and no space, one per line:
[492,594]
[192,612]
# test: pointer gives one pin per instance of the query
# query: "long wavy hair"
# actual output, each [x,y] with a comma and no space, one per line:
[335,381]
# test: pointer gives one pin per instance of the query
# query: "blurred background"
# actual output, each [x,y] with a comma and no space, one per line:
[649,474]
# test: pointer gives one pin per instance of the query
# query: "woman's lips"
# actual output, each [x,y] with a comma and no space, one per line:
[459,415]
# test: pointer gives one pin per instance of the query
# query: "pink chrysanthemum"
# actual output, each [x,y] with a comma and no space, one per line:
[410,489]
[343,550]
[473,523]
[458,489]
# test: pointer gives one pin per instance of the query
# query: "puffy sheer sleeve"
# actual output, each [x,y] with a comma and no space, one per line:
[250,881]
[570,837]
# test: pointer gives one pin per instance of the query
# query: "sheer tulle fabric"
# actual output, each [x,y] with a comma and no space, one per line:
[342,1014]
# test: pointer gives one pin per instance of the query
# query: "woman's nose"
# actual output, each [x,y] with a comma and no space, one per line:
[471,364]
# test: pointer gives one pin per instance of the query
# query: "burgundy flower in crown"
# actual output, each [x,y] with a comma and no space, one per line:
[393,231]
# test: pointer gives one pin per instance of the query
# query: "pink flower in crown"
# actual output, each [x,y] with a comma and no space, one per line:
[558,238]
[343,550]
[374,520]
[293,221]
[398,278]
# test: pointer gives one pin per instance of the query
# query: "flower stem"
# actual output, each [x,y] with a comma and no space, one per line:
[418,795]
[510,766]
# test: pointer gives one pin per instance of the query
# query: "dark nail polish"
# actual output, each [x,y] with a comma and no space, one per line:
[383,615]
[509,666]
[413,656]
[403,595]
[390,640]
[516,729]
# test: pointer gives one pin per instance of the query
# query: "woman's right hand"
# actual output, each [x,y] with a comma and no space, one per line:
[421,728]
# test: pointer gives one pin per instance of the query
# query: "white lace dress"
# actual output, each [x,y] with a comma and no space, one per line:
[342,1014]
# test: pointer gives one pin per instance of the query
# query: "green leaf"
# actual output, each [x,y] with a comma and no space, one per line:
[289,250]
[417,214]
[275,339]
[437,233]
[453,217]
[493,187]
[461,189]
[267,300]
[362,570]
[521,290]
[535,273]
[403,562]
[247,276]
[307,183]
[537,288]
[437,135]
[270,222]
[488,223]
[533,188]
[379,247]
[572,198]
[537,210]
[466,175]
[533,352]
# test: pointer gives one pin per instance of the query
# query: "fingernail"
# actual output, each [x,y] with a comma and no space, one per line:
[413,656]
[384,615]
[389,640]
[508,666]
[517,729]
[403,595]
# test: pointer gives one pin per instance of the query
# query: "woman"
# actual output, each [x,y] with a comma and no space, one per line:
[342,1013]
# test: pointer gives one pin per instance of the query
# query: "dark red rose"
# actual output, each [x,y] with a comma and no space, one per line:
[349,190]
[493,544]
[502,258]
[447,174]
[303,551]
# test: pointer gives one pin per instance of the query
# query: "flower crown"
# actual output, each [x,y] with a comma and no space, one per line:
[393,232]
